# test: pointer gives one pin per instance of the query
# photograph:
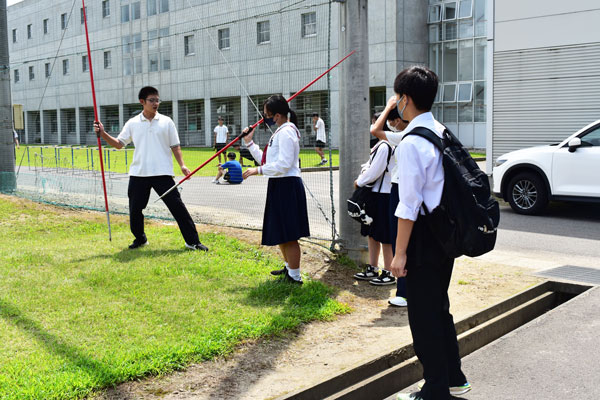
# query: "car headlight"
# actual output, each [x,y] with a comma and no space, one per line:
[500,161]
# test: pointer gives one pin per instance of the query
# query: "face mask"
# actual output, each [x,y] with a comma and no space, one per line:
[392,127]
[269,121]
[402,112]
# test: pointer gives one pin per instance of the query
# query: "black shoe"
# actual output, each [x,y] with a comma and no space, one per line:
[197,246]
[286,277]
[138,243]
[278,272]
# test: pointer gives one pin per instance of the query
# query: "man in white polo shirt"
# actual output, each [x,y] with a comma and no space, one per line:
[221,131]
[154,136]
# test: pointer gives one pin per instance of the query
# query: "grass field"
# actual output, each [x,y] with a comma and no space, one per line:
[79,313]
[87,158]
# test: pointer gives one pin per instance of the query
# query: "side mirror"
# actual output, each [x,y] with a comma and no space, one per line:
[574,144]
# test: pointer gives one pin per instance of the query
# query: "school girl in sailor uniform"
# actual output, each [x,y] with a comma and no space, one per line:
[286,217]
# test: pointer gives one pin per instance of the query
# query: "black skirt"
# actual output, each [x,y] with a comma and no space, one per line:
[286,216]
[378,208]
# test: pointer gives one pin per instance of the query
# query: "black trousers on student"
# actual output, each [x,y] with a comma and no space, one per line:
[431,324]
[139,194]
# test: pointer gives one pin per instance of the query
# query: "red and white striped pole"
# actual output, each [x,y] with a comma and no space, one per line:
[89,57]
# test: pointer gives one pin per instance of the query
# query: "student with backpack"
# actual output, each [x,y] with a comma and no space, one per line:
[419,256]
[389,126]
[376,174]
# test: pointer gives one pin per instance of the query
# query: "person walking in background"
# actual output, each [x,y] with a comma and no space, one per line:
[418,255]
[388,126]
[155,137]
[233,175]
[286,217]
[16,138]
[321,143]
[221,132]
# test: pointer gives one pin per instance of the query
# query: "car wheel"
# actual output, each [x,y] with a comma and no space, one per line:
[527,193]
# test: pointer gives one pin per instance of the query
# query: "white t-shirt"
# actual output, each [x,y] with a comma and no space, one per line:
[153,141]
[321,131]
[221,132]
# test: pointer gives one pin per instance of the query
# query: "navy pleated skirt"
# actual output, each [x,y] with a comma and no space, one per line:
[378,208]
[286,216]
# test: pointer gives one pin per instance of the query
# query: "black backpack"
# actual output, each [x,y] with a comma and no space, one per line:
[467,219]
[360,197]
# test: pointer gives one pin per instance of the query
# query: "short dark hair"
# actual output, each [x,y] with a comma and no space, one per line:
[277,104]
[393,114]
[220,118]
[147,91]
[231,155]
[315,114]
[420,83]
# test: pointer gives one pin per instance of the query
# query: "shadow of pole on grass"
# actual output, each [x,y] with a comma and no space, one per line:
[54,344]
[301,304]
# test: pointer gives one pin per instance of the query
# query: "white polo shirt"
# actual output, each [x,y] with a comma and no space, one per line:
[221,132]
[153,141]
[321,136]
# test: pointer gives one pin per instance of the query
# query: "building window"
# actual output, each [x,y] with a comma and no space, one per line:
[188,45]
[65,67]
[84,63]
[47,70]
[435,13]
[137,65]
[449,11]
[163,6]
[465,9]
[31,73]
[159,57]
[125,13]
[151,7]
[14,36]
[223,38]
[45,24]
[105,8]
[136,12]
[83,15]
[16,72]
[131,45]
[309,24]
[127,66]
[63,21]
[465,92]
[449,95]
[107,60]
[263,34]
[29,31]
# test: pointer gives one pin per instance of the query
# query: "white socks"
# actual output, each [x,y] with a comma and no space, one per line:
[294,273]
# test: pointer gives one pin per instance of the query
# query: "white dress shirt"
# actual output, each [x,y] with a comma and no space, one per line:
[376,167]
[282,154]
[153,141]
[420,170]
[394,138]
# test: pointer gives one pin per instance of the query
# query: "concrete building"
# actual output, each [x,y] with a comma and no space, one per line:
[546,81]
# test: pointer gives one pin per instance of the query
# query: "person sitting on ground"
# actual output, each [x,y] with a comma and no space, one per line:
[234,171]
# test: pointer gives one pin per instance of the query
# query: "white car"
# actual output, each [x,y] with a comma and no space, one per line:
[567,171]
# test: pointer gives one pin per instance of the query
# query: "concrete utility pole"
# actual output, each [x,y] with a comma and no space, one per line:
[354,118]
[7,155]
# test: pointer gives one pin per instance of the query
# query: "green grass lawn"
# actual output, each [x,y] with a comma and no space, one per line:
[119,160]
[79,313]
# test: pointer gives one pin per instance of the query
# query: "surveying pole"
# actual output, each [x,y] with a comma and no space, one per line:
[354,118]
[8,182]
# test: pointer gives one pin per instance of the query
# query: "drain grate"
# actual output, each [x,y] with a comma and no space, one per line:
[573,273]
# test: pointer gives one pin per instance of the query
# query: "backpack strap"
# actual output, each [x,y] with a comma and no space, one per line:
[390,151]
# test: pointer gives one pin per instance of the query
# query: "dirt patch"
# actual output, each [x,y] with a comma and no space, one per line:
[269,368]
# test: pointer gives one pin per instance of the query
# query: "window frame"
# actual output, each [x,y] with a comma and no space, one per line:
[31,73]
[260,33]
[136,5]
[221,39]
[462,84]
[446,6]
[17,76]
[105,8]
[81,14]
[445,85]
[460,8]
[305,24]
[29,31]
[47,71]
[439,13]
[109,58]
[65,65]
[14,35]
[45,23]
[85,66]
[188,44]
[125,17]
[63,21]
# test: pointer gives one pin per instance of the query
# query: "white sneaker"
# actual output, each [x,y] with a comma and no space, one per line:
[216,181]
[454,390]
[397,302]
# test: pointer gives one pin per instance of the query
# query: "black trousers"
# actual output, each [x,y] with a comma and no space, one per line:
[139,194]
[431,324]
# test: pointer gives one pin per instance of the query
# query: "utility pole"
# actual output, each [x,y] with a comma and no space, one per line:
[8,182]
[354,118]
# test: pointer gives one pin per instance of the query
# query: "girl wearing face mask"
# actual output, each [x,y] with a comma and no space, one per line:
[286,217]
